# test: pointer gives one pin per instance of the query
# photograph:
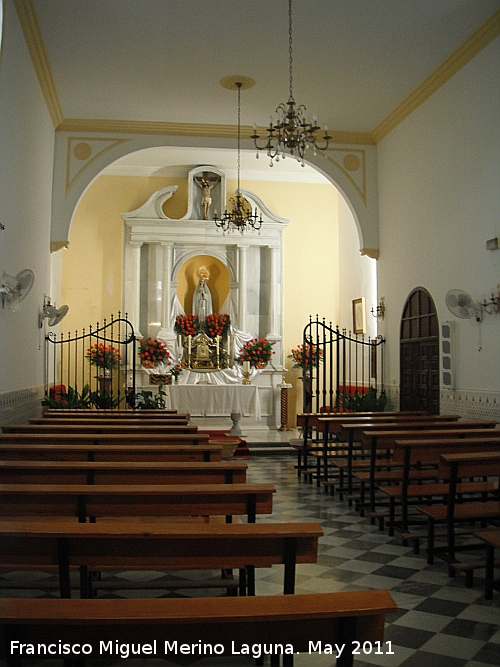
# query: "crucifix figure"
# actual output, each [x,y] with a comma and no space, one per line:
[206,183]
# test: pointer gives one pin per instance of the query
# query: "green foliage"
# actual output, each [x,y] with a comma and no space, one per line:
[146,400]
[105,400]
[368,402]
[70,399]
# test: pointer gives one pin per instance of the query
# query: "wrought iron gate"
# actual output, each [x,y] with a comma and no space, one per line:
[71,380]
[344,371]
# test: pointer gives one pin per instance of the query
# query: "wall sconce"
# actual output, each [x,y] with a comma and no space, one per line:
[379,311]
[492,305]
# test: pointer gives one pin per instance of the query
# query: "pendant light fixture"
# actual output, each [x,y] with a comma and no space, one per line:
[291,133]
[241,217]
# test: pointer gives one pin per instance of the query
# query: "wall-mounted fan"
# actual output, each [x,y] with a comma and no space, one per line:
[54,315]
[462,305]
[15,288]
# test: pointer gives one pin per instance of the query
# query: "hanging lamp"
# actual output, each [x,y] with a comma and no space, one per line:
[240,217]
[291,133]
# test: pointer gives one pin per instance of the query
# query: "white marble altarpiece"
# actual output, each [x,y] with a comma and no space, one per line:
[155,249]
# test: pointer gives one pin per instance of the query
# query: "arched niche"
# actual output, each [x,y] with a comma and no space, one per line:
[186,280]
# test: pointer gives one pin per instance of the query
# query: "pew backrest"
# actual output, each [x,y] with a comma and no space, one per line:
[121,472]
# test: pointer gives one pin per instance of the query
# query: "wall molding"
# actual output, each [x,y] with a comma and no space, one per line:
[479,39]
[32,34]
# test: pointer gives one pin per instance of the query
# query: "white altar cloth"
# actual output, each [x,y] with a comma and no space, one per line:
[206,400]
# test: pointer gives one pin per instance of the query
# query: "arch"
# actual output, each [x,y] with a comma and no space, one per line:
[419,353]
[211,252]
[75,169]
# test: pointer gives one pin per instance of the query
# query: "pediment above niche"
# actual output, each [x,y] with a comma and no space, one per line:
[206,197]
[206,194]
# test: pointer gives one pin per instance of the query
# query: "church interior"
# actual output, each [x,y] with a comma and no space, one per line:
[133,136]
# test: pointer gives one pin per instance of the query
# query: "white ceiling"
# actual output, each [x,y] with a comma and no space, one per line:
[162,60]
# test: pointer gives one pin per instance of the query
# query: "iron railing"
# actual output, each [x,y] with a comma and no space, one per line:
[351,366]
[69,373]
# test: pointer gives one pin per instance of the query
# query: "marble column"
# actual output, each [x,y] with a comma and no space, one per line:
[132,283]
[167,287]
[274,294]
[242,292]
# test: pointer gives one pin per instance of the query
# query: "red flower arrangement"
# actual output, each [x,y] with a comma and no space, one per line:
[257,351]
[176,370]
[187,325]
[153,351]
[306,356]
[104,356]
[217,324]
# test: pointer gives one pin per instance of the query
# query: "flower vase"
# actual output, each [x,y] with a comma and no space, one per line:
[104,379]
[260,365]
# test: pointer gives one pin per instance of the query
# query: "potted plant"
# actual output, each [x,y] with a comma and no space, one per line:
[153,352]
[104,357]
[306,356]
[257,352]
[217,324]
[175,372]
[187,325]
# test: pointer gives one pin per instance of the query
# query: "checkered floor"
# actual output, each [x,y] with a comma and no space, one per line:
[440,623]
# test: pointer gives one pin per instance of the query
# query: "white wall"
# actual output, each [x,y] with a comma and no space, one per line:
[358,273]
[439,198]
[26,159]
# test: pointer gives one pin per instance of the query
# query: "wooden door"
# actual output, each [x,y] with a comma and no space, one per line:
[419,354]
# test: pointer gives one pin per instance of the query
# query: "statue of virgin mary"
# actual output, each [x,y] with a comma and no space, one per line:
[202,298]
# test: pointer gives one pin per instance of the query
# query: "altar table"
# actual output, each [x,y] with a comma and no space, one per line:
[205,400]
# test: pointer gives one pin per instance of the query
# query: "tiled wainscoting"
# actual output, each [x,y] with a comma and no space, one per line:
[471,405]
[467,404]
[17,407]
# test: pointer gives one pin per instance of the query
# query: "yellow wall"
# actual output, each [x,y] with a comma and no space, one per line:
[92,265]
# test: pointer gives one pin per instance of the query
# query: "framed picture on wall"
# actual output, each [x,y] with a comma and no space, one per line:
[358,316]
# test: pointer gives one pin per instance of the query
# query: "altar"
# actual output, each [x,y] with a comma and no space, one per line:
[205,400]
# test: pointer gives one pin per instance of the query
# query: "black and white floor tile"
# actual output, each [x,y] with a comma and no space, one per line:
[439,623]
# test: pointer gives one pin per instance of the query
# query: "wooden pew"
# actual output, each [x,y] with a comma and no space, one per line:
[98,429]
[492,540]
[308,421]
[155,500]
[452,469]
[351,430]
[121,472]
[103,452]
[178,546]
[70,413]
[296,621]
[381,437]
[414,454]
[103,421]
[374,439]
[136,438]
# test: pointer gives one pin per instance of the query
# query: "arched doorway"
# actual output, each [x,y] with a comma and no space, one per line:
[419,353]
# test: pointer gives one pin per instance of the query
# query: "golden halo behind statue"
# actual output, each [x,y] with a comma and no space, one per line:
[203,272]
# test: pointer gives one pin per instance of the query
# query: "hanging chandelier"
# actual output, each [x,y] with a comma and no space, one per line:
[291,133]
[241,217]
